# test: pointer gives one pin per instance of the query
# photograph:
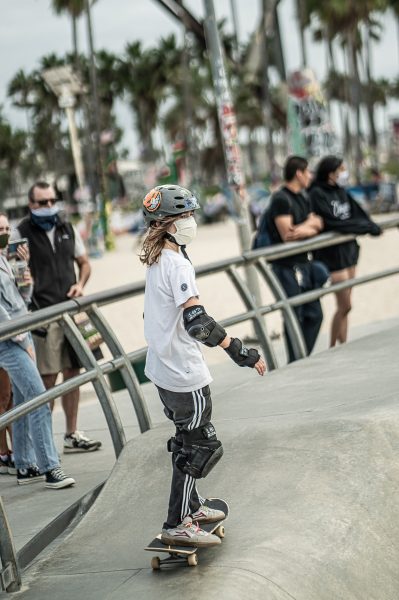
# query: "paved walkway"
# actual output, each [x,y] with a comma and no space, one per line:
[310,455]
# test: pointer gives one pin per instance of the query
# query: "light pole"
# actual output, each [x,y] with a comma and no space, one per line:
[232,155]
[105,206]
[66,85]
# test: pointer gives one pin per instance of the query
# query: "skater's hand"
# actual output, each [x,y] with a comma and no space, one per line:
[260,367]
[242,356]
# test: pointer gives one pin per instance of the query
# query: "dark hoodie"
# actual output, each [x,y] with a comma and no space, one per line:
[341,213]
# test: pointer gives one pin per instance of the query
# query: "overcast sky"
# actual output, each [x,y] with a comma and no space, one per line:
[29,29]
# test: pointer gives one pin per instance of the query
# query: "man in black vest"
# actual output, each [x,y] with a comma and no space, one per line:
[55,247]
[289,218]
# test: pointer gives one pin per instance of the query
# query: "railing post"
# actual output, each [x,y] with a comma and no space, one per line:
[127,371]
[291,322]
[258,321]
[10,577]
[88,361]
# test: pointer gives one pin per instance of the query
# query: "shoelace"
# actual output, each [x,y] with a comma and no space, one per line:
[194,527]
[80,437]
[57,473]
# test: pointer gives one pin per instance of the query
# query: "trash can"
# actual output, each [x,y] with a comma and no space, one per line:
[115,379]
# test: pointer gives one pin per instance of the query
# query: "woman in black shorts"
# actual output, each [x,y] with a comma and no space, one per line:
[341,213]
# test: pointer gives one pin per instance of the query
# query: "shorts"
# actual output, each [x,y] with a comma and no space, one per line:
[53,352]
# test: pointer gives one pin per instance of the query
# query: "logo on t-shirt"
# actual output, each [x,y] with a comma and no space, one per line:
[341,210]
[183,287]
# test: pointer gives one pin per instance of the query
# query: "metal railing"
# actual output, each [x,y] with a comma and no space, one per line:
[122,361]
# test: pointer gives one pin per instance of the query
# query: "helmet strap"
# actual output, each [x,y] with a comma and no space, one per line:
[170,238]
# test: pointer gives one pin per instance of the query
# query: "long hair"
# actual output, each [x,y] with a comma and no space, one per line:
[326,166]
[154,240]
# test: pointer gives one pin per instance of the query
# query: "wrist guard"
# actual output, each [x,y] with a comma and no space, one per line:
[242,356]
[202,327]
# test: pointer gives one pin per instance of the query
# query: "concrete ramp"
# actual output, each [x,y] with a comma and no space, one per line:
[311,472]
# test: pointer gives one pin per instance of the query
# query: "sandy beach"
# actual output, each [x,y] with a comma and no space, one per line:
[371,302]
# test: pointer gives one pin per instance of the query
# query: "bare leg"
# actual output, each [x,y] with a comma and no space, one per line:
[5,405]
[49,382]
[70,403]
[339,325]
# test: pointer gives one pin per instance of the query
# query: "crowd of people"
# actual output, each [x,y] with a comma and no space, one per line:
[56,268]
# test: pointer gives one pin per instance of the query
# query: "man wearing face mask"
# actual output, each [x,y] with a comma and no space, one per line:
[35,454]
[341,213]
[55,248]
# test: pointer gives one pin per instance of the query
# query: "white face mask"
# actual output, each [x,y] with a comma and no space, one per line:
[186,230]
[343,178]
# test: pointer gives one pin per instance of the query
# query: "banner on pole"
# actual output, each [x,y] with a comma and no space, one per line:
[310,130]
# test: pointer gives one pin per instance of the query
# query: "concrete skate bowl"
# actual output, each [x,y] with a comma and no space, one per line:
[310,471]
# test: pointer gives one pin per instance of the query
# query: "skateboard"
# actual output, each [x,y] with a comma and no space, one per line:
[187,555]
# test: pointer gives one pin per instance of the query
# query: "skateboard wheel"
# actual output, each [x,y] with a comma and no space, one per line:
[155,563]
[220,531]
[192,560]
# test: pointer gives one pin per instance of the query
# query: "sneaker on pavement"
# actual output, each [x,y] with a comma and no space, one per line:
[78,442]
[3,466]
[7,466]
[56,479]
[29,475]
[188,534]
[207,515]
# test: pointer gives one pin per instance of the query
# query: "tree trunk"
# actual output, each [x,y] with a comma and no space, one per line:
[333,67]
[75,41]
[301,23]
[373,137]
[268,24]
[355,98]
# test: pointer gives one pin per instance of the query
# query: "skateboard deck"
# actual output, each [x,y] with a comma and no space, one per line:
[187,555]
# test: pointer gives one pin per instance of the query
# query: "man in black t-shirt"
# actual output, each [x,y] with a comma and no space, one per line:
[289,218]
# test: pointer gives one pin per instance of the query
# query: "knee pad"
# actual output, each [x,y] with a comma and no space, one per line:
[174,445]
[200,453]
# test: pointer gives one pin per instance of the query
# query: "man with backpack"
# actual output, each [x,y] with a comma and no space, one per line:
[288,219]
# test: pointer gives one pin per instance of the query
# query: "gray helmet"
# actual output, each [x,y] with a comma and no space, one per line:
[167,200]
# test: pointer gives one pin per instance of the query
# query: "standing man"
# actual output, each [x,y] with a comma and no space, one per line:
[55,247]
[289,218]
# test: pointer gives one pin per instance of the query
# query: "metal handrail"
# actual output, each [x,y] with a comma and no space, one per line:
[95,372]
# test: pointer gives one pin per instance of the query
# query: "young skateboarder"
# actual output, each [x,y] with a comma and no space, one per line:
[175,323]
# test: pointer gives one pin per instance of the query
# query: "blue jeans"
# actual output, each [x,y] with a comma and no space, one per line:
[33,442]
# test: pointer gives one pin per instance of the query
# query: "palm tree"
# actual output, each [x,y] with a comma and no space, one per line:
[342,19]
[12,147]
[74,8]
[48,140]
[146,77]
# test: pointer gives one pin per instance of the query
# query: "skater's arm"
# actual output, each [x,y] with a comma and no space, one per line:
[200,326]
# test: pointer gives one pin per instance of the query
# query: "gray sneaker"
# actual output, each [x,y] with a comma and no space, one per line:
[188,534]
[207,515]
[79,442]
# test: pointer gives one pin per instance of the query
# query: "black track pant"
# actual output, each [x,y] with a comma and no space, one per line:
[188,410]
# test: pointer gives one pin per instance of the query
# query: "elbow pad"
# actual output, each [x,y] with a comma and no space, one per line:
[202,327]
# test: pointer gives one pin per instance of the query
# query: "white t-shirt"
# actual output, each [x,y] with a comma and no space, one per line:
[174,359]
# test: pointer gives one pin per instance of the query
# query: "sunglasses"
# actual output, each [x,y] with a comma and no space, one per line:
[45,202]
